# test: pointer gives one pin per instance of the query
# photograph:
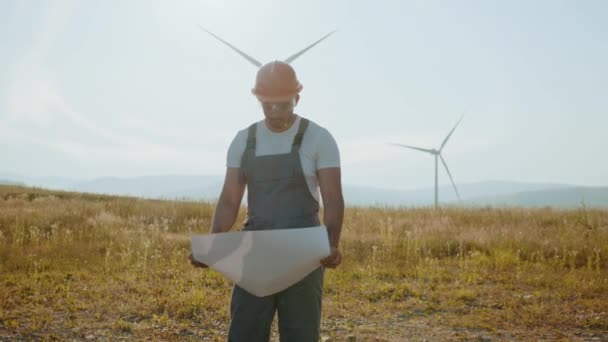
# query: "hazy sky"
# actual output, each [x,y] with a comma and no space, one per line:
[129,88]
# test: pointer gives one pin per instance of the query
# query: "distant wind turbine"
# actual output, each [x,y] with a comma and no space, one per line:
[437,154]
[258,63]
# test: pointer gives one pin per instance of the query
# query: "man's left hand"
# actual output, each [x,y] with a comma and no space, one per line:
[334,259]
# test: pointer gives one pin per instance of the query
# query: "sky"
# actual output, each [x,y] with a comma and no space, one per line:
[133,88]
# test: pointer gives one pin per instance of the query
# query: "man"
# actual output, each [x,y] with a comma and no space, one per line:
[283,160]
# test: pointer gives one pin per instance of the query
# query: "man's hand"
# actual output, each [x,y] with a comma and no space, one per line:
[196,263]
[334,259]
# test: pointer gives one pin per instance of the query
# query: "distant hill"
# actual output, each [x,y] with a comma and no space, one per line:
[357,195]
[495,193]
[58,183]
[166,186]
[10,182]
[208,187]
[562,198]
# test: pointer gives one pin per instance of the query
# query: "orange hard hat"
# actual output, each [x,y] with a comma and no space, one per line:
[276,82]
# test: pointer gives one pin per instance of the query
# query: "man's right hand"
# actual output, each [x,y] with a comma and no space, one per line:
[334,259]
[196,263]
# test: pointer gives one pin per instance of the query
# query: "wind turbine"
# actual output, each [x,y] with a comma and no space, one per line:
[437,154]
[257,63]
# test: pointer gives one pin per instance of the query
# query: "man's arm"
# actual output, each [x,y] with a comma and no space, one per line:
[228,204]
[227,208]
[330,184]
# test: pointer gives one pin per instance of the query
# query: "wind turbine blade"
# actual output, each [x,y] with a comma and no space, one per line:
[450,134]
[246,56]
[415,148]
[300,53]
[450,175]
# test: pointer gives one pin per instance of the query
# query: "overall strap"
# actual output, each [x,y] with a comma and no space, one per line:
[251,137]
[249,153]
[297,141]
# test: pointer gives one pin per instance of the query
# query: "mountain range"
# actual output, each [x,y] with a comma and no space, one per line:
[208,187]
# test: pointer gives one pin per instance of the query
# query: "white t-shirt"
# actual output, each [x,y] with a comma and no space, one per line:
[318,150]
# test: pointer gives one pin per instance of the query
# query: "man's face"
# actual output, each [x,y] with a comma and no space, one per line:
[279,114]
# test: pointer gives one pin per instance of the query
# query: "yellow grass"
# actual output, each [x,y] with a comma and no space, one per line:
[101,267]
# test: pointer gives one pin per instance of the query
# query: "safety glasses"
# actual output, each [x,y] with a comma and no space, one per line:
[277,106]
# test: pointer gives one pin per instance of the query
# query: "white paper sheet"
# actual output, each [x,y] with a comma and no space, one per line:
[263,262]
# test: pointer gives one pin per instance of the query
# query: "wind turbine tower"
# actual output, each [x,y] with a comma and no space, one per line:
[437,154]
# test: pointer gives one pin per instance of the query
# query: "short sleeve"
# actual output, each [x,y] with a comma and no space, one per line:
[236,149]
[327,151]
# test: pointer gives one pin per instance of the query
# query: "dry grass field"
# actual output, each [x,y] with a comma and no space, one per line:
[92,267]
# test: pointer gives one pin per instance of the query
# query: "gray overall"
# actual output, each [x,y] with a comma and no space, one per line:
[278,197]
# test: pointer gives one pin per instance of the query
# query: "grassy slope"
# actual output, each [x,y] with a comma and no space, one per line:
[89,266]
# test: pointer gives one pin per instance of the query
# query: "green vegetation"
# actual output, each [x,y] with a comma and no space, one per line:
[100,267]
